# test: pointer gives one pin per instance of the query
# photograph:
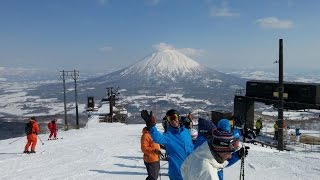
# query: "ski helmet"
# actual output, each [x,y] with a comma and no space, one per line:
[171,112]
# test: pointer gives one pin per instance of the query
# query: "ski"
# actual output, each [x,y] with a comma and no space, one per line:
[54,139]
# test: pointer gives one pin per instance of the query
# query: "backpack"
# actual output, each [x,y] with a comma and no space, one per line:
[28,128]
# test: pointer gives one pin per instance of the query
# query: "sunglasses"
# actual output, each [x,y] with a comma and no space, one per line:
[172,117]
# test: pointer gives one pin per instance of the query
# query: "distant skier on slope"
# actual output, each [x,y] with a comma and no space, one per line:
[298,135]
[177,140]
[259,126]
[32,130]
[52,126]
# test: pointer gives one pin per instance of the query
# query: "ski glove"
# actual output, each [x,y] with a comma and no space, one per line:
[243,152]
[148,118]
[157,152]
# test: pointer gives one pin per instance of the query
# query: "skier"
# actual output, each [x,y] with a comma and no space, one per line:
[151,152]
[298,135]
[205,128]
[32,135]
[52,126]
[207,160]
[259,126]
[177,140]
[275,126]
[187,123]
[189,116]
[288,135]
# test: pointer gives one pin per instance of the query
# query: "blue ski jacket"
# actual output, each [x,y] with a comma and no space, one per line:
[178,144]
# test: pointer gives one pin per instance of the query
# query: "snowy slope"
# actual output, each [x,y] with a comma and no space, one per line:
[112,152]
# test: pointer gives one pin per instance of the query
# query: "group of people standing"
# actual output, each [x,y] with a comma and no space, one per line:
[214,148]
[32,130]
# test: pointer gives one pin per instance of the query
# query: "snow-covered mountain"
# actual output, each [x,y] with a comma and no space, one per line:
[169,71]
[163,73]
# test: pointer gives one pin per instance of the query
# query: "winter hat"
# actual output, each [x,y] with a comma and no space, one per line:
[171,112]
[205,126]
[224,125]
[223,139]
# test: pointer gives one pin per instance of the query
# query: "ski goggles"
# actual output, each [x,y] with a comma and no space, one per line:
[230,146]
[173,117]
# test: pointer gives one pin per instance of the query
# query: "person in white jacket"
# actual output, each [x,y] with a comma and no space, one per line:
[205,162]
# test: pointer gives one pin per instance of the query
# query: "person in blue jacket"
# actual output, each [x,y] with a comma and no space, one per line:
[205,128]
[177,140]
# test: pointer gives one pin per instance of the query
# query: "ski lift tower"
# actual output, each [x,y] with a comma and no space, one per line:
[112,97]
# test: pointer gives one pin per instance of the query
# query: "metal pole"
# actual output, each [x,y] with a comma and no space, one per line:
[75,77]
[62,76]
[245,120]
[280,90]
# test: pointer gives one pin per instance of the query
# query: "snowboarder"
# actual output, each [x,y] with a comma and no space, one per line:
[52,126]
[207,160]
[177,140]
[151,152]
[32,130]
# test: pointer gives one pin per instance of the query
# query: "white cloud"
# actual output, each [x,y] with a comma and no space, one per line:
[106,49]
[274,23]
[186,51]
[162,46]
[223,11]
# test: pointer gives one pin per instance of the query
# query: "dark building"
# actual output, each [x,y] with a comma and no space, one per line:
[244,111]
[296,95]
[217,115]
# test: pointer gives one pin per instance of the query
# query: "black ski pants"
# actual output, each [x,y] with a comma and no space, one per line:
[153,170]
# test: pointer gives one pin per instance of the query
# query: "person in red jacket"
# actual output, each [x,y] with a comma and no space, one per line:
[52,126]
[151,152]
[32,136]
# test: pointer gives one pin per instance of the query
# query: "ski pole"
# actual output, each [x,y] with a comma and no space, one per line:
[242,165]
[16,140]
[164,164]
[40,139]
[160,172]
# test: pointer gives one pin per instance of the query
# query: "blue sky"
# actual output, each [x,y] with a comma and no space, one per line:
[111,34]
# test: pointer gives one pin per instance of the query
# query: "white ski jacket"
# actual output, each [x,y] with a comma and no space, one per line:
[200,164]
